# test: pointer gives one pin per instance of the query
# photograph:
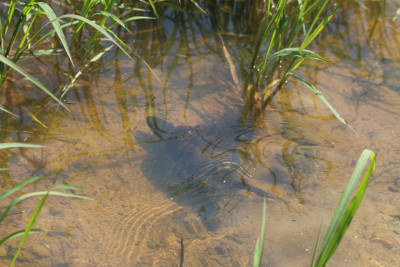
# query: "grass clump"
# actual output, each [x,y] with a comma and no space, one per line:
[22,31]
[286,32]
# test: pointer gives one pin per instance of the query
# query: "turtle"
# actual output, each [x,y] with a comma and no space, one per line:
[200,166]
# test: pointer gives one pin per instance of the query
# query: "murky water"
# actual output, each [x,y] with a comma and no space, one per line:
[302,155]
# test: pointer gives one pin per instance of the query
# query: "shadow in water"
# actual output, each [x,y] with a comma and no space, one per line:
[205,167]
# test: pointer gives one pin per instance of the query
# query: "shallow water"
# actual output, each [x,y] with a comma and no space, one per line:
[304,155]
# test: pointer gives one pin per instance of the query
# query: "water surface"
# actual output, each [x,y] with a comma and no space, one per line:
[303,156]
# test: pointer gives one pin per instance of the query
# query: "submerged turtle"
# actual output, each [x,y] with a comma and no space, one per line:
[199,166]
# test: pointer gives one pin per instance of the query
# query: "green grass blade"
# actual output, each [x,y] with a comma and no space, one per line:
[198,6]
[27,30]
[29,227]
[40,193]
[311,35]
[343,216]
[50,33]
[314,258]
[137,18]
[153,7]
[107,5]
[80,72]
[19,233]
[54,21]
[5,110]
[17,187]
[46,52]
[98,28]
[270,28]
[258,252]
[262,37]
[30,78]
[21,22]
[319,94]
[14,145]
[347,193]
[307,39]
[60,194]
[352,208]
[10,14]
[295,52]
[113,17]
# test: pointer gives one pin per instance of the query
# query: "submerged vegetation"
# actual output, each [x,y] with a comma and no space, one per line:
[282,32]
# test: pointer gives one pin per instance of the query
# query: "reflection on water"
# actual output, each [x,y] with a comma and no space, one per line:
[167,155]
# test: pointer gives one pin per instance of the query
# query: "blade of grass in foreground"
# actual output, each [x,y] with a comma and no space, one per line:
[40,193]
[19,233]
[13,145]
[17,187]
[29,227]
[258,252]
[342,217]
[346,210]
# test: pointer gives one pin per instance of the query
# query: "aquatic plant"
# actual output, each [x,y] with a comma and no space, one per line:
[24,35]
[280,33]
[286,32]
[180,6]
[346,208]
[342,217]
[281,16]
[258,251]
[29,228]
[26,38]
